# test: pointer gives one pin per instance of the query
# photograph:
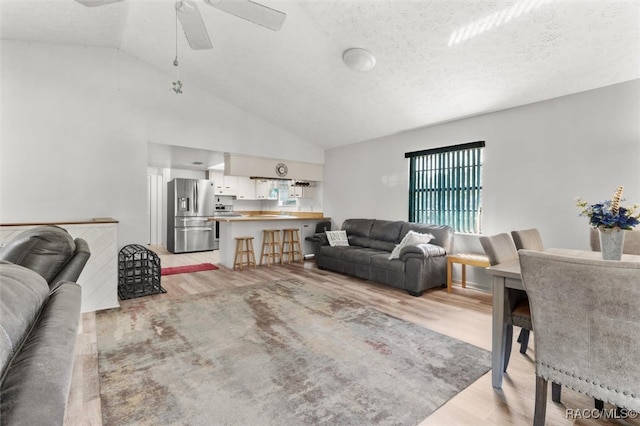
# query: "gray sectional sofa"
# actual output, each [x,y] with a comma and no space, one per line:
[371,241]
[39,319]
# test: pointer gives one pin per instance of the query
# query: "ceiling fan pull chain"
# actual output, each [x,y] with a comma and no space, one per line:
[177,85]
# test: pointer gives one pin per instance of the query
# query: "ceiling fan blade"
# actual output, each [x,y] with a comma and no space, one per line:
[94,3]
[251,11]
[193,25]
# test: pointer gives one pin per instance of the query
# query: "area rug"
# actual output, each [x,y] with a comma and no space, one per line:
[188,268]
[278,353]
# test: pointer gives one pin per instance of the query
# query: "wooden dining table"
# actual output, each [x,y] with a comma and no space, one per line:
[507,275]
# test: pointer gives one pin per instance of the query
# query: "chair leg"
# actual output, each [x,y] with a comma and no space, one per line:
[508,343]
[524,340]
[556,392]
[598,404]
[540,412]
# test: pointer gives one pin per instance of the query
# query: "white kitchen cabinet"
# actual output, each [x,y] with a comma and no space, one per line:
[298,191]
[295,191]
[266,189]
[225,185]
[246,188]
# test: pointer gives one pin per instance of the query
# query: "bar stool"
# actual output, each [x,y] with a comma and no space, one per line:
[244,253]
[271,246]
[291,244]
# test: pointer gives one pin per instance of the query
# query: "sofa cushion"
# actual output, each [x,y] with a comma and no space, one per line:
[371,243]
[36,386]
[385,230]
[382,261]
[44,249]
[358,227]
[337,238]
[422,250]
[22,295]
[352,254]
[442,235]
[333,252]
[382,234]
[359,255]
[411,239]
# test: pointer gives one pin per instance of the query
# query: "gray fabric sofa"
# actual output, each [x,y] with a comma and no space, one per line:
[39,319]
[371,241]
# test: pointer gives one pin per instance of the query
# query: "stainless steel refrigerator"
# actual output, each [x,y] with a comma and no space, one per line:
[189,203]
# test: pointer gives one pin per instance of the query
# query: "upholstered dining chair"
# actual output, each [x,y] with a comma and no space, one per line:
[500,248]
[587,326]
[530,239]
[527,239]
[631,241]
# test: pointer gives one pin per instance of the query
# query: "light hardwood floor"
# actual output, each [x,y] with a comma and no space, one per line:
[464,314]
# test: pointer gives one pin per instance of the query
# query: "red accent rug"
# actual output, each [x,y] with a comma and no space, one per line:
[189,268]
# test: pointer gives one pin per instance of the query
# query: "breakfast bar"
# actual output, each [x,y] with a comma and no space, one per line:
[252,226]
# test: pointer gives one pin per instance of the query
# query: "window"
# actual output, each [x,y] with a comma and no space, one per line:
[445,186]
[283,195]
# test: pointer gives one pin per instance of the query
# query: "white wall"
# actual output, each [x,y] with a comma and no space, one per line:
[75,126]
[538,158]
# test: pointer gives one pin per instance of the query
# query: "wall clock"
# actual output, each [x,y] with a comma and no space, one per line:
[281,169]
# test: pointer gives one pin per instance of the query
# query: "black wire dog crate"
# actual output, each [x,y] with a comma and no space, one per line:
[139,272]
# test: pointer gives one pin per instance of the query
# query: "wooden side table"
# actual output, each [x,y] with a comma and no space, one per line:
[464,259]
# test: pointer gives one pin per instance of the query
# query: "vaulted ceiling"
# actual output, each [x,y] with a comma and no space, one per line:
[437,60]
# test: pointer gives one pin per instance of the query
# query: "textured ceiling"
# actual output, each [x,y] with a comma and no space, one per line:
[436,60]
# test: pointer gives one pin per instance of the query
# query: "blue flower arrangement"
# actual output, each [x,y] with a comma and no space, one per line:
[610,214]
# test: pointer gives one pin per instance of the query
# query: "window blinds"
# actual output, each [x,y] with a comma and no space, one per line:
[445,186]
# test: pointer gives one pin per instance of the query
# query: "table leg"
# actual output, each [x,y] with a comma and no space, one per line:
[464,276]
[498,337]
[449,275]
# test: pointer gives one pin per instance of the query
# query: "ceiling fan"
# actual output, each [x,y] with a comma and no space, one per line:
[193,25]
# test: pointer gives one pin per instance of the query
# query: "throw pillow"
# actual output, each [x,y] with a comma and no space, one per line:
[411,239]
[337,238]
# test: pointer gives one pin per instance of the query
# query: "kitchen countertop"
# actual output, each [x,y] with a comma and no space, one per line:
[263,217]
[95,220]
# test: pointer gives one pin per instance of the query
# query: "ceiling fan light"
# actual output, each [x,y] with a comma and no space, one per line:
[359,59]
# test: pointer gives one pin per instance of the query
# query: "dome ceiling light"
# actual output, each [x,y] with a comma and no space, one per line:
[359,59]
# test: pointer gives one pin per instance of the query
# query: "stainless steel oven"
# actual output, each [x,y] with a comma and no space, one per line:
[223,208]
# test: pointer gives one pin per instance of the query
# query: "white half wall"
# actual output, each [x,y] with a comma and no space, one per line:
[538,158]
[75,124]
